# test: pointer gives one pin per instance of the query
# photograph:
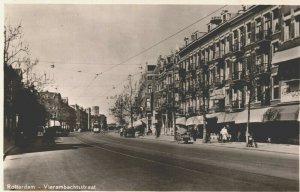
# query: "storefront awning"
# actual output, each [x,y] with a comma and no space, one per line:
[218,116]
[286,55]
[196,120]
[256,116]
[229,117]
[181,121]
[283,113]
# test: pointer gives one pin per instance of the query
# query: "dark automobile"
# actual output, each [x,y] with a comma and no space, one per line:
[129,132]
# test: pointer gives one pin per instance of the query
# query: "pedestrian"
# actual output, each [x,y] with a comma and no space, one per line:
[224,134]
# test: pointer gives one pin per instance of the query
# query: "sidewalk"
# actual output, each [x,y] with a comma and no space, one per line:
[269,147]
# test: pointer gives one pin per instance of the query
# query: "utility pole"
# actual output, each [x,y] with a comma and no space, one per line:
[130,101]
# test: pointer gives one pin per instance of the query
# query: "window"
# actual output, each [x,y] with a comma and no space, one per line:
[275,47]
[297,26]
[148,102]
[287,30]
[268,22]
[258,93]
[258,60]
[275,85]
[248,38]
[149,78]
[149,88]
[227,45]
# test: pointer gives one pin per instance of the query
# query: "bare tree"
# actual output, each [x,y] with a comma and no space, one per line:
[16,53]
[15,50]
[125,106]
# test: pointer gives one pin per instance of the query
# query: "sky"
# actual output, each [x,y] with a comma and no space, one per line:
[93,47]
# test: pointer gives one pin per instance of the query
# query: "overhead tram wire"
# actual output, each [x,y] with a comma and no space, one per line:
[117,85]
[154,45]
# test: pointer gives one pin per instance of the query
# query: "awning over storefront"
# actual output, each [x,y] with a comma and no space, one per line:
[196,120]
[219,116]
[256,116]
[286,55]
[283,113]
[229,117]
[180,121]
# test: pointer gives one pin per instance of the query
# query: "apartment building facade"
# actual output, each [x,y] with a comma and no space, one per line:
[254,52]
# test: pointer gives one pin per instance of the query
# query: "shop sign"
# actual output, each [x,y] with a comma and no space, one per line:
[290,91]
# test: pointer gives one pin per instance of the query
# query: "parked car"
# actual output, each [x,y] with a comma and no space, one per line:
[183,134]
[129,132]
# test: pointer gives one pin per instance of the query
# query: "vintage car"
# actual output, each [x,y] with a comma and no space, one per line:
[183,134]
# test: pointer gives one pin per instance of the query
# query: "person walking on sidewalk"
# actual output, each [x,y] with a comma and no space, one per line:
[224,134]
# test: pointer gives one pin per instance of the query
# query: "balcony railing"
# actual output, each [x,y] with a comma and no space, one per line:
[203,61]
[238,75]
[263,68]
[191,109]
[218,54]
[237,46]
[237,104]
[218,108]
[218,80]
[264,35]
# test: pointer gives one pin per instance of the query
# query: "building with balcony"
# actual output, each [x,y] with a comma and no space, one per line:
[252,55]
[145,95]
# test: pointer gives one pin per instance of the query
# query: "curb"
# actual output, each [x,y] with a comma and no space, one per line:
[213,145]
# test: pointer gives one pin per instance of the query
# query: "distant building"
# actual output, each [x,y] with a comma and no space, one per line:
[95,110]
[59,111]
[81,117]
[145,96]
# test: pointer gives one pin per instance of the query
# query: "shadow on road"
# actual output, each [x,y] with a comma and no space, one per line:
[41,146]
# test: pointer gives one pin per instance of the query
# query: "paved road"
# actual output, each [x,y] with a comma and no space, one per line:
[114,163]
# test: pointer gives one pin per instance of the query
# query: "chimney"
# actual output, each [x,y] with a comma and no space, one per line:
[186,41]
